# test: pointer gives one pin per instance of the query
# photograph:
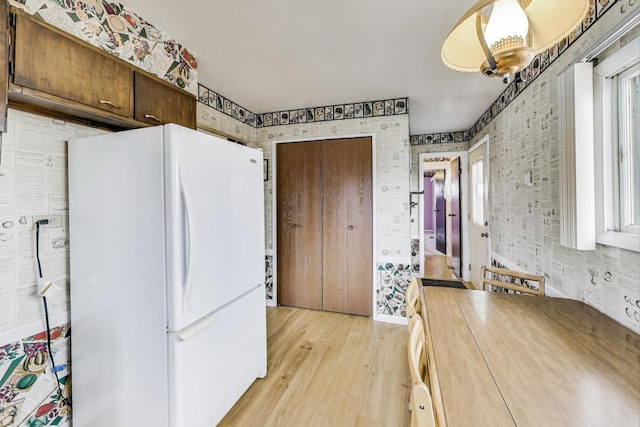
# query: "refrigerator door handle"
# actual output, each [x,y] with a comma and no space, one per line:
[195,328]
[186,202]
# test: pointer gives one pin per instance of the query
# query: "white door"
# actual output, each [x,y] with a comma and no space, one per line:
[215,223]
[479,209]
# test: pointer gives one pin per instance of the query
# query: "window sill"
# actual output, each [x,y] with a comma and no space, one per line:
[630,242]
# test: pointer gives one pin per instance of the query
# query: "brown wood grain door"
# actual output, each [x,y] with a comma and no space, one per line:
[441,211]
[347,232]
[299,222]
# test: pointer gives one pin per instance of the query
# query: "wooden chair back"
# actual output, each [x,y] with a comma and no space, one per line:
[511,280]
[412,298]
[422,414]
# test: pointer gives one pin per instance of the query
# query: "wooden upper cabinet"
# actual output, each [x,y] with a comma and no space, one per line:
[54,63]
[157,102]
[56,73]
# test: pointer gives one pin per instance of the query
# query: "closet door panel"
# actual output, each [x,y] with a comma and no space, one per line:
[360,238]
[299,222]
[347,236]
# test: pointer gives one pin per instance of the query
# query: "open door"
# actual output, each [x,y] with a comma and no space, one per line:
[479,210]
[454,214]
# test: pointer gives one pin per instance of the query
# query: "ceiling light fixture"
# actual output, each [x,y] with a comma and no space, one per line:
[501,37]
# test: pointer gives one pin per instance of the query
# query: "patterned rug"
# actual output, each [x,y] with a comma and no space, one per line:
[443,283]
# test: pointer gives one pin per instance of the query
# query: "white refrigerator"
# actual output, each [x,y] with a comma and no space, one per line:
[167,259]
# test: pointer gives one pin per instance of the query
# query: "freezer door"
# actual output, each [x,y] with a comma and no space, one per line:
[213,362]
[215,223]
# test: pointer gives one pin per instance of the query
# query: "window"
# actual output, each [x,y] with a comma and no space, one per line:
[628,94]
[477,177]
[617,107]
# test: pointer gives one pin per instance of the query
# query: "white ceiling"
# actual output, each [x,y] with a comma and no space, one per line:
[283,54]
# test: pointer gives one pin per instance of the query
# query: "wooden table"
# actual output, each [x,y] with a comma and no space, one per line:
[504,360]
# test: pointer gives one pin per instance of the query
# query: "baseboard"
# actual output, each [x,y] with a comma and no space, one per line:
[385,318]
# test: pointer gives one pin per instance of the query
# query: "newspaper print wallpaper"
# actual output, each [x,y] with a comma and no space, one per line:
[525,222]
[117,30]
[33,181]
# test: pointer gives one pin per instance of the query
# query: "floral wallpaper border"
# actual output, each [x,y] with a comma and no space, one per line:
[393,280]
[119,31]
[415,257]
[268,283]
[389,107]
[28,393]
[597,8]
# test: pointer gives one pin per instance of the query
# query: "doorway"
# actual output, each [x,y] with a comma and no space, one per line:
[443,212]
[479,208]
[324,224]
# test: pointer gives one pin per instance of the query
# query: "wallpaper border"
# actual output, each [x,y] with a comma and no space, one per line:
[352,110]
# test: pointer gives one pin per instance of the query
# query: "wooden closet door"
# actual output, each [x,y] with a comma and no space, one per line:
[299,220]
[347,233]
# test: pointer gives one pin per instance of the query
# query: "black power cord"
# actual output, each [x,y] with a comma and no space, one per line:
[46,308]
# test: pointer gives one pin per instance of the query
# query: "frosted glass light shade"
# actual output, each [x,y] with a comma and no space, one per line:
[508,25]
[549,22]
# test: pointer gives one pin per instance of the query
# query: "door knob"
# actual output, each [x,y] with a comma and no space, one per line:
[484,234]
[350,227]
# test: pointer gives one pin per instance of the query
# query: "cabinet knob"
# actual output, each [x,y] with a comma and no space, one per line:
[452,214]
[109,103]
[152,117]
[350,227]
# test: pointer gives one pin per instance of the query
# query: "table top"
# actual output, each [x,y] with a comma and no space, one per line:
[505,360]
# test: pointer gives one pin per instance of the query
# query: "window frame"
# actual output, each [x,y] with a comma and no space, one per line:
[608,228]
[627,213]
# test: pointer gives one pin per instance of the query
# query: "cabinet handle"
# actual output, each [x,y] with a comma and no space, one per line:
[111,104]
[152,117]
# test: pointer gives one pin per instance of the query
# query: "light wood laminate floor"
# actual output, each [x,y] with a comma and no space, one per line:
[328,369]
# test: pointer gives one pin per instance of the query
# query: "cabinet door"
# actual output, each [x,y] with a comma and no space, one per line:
[348,223]
[158,103]
[299,220]
[47,61]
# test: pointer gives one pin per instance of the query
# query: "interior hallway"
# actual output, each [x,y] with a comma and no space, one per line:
[436,266]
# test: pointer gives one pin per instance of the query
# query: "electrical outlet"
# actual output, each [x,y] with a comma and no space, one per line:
[55,221]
